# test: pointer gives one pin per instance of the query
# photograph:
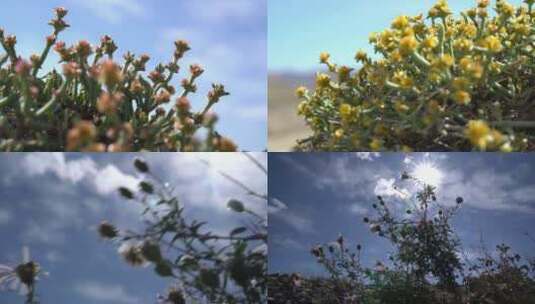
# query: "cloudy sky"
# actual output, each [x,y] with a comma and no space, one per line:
[317,196]
[228,38]
[53,202]
[299,30]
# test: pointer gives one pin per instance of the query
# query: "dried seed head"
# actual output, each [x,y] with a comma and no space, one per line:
[107,230]
[131,253]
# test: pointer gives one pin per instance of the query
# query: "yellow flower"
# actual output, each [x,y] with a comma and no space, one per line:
[361,56]
[400,106]
[376,144]
[445,62]
[301,92]
[462,97]
[323,80]
[339,133]
[302,108]
[463,45]
[477,131]
[324,57]
[493,44]
[401,78]
[407,45]
[346,111]
[400,22]
[430,42]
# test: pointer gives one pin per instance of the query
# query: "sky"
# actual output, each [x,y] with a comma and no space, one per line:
[316,196]
[53,202]
[228,38]
[299,30]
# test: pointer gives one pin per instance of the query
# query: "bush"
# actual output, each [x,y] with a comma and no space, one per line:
[97,104]
[450,84]
[202,265]
[425,266]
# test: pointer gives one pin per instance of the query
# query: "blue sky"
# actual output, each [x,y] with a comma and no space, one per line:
[53,202]
[228,38]
[316,196]
[299,30]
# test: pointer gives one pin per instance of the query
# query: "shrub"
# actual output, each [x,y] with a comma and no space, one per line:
[204,266]
[447,84]
[425,265]
[98,104]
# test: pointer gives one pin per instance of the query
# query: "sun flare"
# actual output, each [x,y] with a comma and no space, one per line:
[428,173]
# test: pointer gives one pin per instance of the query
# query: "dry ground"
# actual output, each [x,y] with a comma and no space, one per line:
[285,127]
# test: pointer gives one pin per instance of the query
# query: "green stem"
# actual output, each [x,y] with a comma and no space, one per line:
[54,98]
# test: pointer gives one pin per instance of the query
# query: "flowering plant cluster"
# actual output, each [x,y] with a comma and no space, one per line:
[204,266]
[439,83]
[424,267]
[98,104]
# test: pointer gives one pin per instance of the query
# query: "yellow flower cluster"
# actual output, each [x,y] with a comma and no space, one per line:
[437,83]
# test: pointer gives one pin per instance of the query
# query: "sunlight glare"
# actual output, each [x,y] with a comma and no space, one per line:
[428,173]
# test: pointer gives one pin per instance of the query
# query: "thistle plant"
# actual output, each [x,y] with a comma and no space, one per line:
[437,83]
[23,277]
[427,263]
[96,103]
[202,265]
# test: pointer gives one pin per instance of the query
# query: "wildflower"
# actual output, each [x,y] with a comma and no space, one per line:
[23,67]
[323,80]
[477,131]
[361,56]
[81,134]
[196,70]
[324,57]
[83,48]
[71,70]
[301,92]
[462,97]
[407,45]
[109,103]
[162,97]
[339,133]
[400,22]
[183,105]
[110,73]
[493,44]
[346,111]
[376,144]
[430,42]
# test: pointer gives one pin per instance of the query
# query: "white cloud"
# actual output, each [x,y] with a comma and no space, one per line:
[113,11]
[5,217]
[489,190]
[358,209]
[100,292]
[369,156]
[276,205]
[387,187]
[105,180]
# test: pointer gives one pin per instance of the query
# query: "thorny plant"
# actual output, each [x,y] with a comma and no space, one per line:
[203,266]
[445,84]
[23,277]
[426,265]
[98,104]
